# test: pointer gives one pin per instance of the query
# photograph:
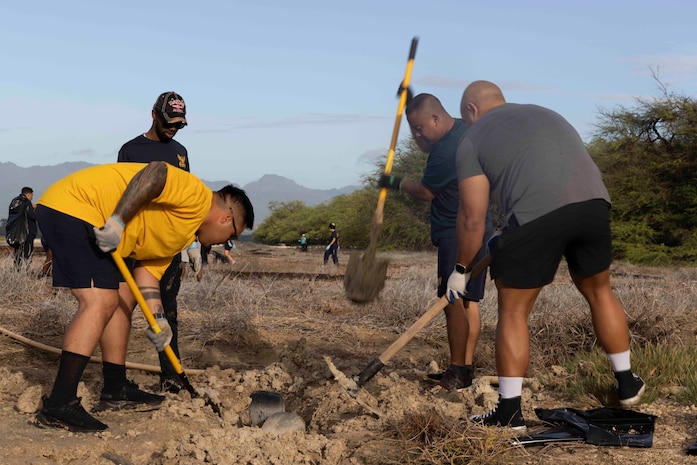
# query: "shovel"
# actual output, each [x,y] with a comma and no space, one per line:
[352,386]
[152,322]
[365,275]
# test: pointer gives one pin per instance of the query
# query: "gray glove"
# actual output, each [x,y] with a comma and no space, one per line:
[327,247]
[164,337]
[109,235]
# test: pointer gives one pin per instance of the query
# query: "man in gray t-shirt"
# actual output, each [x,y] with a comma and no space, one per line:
[533,164]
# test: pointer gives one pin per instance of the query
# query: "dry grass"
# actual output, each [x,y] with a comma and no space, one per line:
[226,306]
[428,437]
[238,312]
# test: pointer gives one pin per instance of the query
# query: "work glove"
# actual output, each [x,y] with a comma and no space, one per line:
[109,235]
[328,247]
[390,182]
[164,337]
[457,285]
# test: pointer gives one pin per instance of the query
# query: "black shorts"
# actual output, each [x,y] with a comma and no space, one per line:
[77,261]
[528,256]
[447,257]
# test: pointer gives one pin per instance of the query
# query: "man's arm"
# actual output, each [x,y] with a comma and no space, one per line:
[417,190]
[471,217]
[146,185]
[149,287]
[470,227]
[414,189]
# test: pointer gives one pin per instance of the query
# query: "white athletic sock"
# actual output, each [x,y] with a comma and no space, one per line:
[620,361]
[510,386]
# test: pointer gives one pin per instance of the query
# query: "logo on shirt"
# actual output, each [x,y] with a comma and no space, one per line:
[182,161]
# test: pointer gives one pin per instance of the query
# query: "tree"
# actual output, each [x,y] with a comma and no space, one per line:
[647,155]
[405,221]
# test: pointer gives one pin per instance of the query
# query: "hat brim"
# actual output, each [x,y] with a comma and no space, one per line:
[176,119]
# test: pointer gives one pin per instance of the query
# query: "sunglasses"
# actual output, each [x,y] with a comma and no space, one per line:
[234,226]
[165,124]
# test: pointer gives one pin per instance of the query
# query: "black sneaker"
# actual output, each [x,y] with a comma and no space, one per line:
[456,377]
[436,376]
[630,387]
[71,416]
[506,414]
[171,384]
[130,397]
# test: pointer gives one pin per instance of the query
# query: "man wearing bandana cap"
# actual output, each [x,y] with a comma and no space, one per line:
[158,144]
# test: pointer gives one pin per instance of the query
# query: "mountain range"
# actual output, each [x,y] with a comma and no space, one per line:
[269,188]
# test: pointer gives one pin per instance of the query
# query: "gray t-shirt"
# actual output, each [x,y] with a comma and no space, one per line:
[534,159]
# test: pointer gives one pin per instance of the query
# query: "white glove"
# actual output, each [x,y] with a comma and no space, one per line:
[109,235]
[194,254]
[327,248]
[164,337]
[457,285]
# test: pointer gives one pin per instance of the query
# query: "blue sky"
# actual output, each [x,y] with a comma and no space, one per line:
[306,89]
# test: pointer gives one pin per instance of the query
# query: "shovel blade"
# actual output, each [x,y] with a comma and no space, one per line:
[365,277]
[368,372]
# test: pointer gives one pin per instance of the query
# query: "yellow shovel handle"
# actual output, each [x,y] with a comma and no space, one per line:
[152,322]
[395,131]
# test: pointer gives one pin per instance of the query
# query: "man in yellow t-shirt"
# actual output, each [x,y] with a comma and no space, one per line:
[145,212]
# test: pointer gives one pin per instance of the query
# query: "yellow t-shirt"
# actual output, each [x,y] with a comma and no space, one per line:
[159,231]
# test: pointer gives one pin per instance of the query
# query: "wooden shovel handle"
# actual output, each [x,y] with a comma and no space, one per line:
[429,315]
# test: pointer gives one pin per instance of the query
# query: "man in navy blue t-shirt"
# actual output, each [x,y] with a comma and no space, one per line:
[158,144]
[437,133]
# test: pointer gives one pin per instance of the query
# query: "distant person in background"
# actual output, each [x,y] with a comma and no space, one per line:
[205,251]
[332,248]
[227,247]
[21,228]
[192,257]
[158,144]
[303,243]
[438,134]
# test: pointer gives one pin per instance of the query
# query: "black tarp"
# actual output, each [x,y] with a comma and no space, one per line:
[603,426]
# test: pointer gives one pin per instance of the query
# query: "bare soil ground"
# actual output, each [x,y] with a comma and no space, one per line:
[256,326]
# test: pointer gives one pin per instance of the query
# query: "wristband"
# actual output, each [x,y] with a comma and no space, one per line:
[160,316]
[118,220]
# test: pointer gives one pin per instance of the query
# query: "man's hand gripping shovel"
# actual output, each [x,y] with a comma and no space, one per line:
[152,322]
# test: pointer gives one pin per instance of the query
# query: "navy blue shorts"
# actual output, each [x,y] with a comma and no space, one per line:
[528,256]
[447,257]
[77,261]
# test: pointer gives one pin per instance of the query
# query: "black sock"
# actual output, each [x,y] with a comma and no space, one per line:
[114,377]
[70,371]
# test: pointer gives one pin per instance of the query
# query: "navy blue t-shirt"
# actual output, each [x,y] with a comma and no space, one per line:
[440,177]
[143,150]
